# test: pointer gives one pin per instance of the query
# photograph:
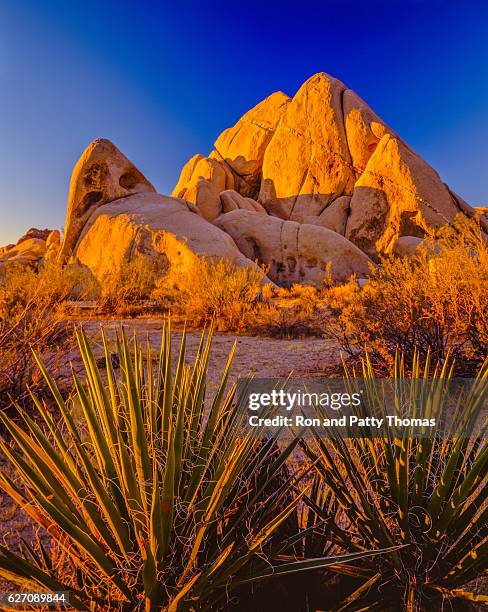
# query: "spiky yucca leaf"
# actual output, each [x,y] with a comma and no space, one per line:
[429,493]
[155,500]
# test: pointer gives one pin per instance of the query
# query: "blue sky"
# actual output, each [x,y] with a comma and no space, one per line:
[163,79]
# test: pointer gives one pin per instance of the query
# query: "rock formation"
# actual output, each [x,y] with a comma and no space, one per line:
[165,230]
[31,248]
[297,184]
[294,252]
[328,160]
[101,175]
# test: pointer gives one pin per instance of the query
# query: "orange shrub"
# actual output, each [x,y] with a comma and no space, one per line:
[436,301]
[31,318]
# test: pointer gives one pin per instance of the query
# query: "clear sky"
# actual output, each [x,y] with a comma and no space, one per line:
[163,79]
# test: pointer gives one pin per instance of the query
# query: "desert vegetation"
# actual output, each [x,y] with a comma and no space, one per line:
[434,302]
[32,316]
[153,497]
[148,495]
[310,221]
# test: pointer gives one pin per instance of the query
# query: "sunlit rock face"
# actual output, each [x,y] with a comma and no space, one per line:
[101,175]
[298,185]
[325,158]
[165,231]
[294,252]
[31,249]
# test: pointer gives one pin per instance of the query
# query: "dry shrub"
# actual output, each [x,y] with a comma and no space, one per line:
[31,317]
[296,312]
[217,290]
[238,300]
[436,301]
[123,293]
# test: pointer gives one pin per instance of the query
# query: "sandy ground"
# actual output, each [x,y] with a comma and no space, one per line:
[255,356]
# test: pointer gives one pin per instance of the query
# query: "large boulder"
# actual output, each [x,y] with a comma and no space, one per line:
[398,194]
[101,175]
[201,182]
[243,146]
[307,164]
[293,252]
[162,229]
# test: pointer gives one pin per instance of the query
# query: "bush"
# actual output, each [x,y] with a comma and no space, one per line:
[31,317]
[156,501]
[296,312]
[217,290]
[122,293]
[435,302]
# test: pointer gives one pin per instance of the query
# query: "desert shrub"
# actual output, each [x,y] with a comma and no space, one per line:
[31,302]
[427,494]
[121,293]
[156,501]
[295,312]
[217,290]
[48,286]
[435,302]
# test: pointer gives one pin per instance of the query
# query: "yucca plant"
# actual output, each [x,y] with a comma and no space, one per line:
[154,499]
[404,489]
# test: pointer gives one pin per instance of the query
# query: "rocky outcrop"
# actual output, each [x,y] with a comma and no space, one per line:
[235,162]
[325,158]
[293,252]
[297,184]
[307,164]
[201,182]
[30,250]
[242,146]
[35,233]
[102,174]
[164,230]
[398,194]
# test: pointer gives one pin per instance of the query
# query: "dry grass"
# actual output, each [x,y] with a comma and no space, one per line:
[32,316]
[435,302]
[124,293]
[212,290]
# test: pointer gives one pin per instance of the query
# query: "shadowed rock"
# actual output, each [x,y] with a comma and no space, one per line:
[294,252]
[398,194]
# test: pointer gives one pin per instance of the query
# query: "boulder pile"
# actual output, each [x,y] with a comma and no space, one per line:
[32,248]
[297,185]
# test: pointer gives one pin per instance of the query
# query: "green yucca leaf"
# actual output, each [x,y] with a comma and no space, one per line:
[428,493]
[314,564]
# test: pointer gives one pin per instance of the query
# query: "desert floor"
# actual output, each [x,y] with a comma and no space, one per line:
[255,356]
